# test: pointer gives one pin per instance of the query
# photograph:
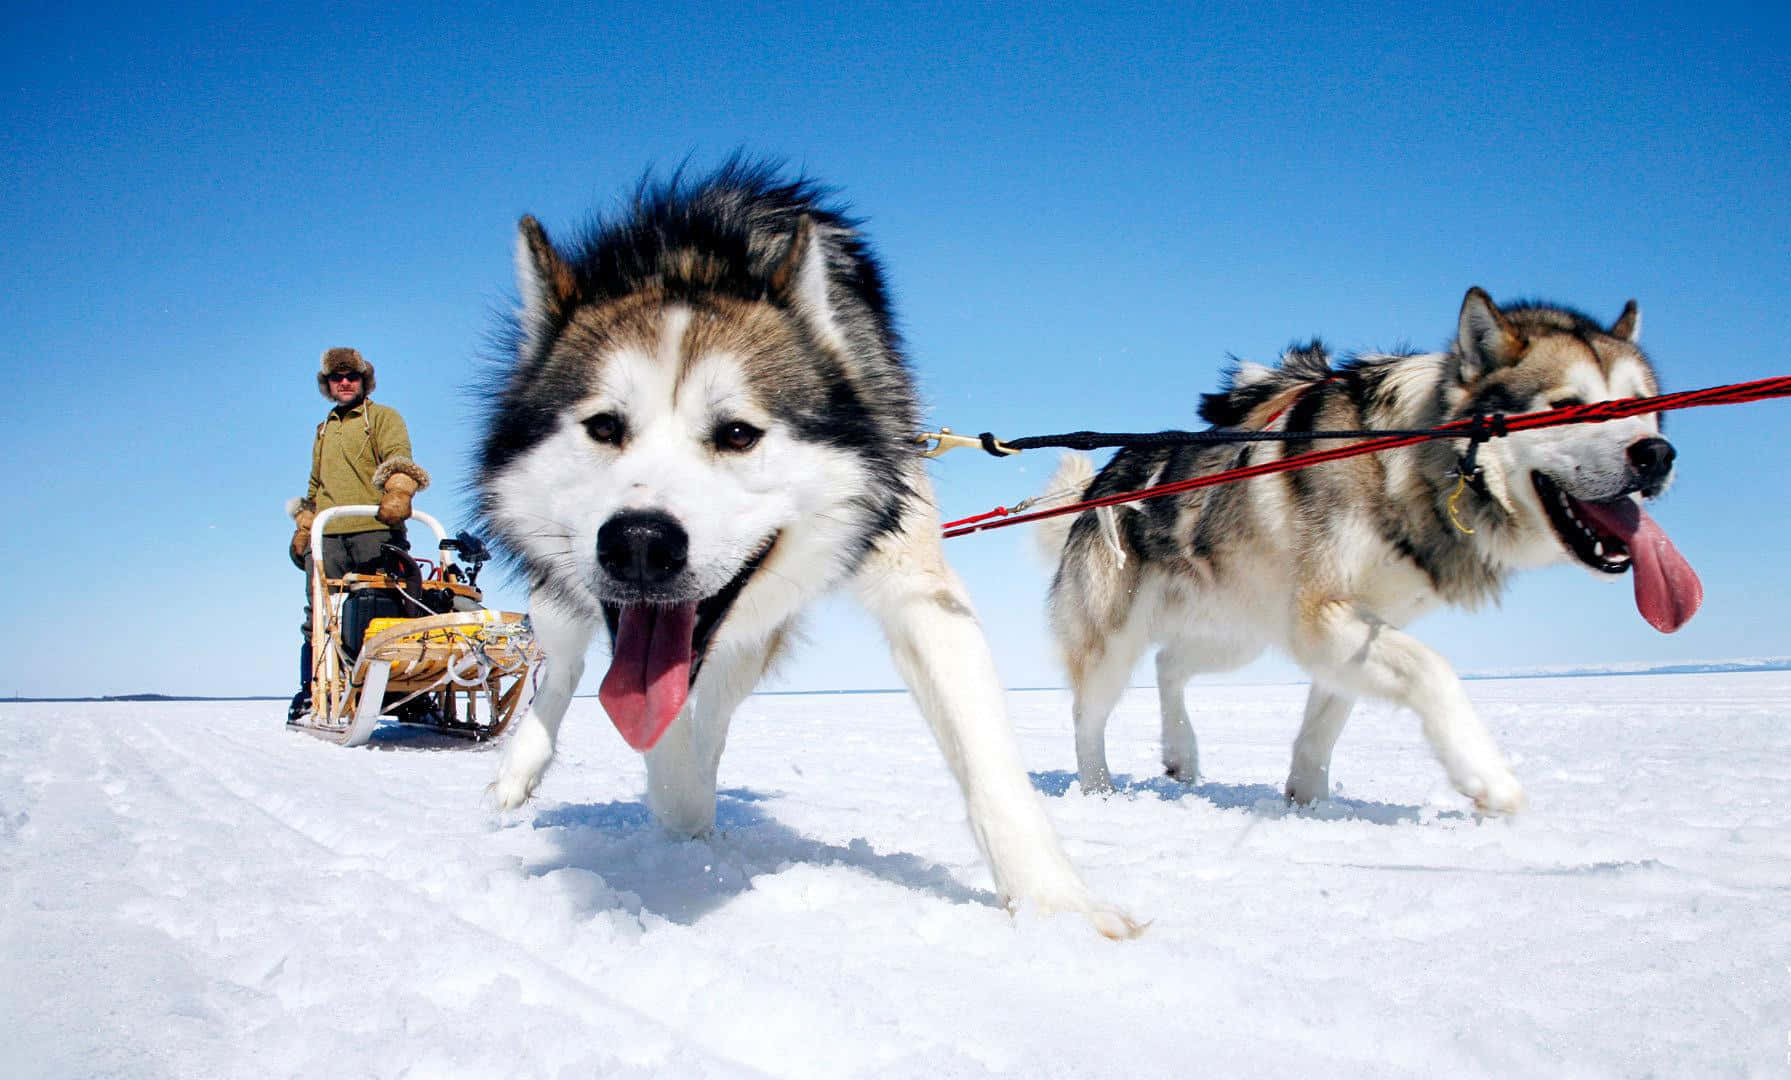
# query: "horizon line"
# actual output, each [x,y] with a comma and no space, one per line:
[1683,667]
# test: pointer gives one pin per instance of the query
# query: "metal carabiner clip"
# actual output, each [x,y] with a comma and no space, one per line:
[938,442]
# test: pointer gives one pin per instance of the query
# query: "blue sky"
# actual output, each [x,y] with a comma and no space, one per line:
[1082,211]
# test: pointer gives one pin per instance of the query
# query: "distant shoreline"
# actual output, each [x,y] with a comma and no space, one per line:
[1714,667]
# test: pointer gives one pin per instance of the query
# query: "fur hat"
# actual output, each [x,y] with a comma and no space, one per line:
[343,359]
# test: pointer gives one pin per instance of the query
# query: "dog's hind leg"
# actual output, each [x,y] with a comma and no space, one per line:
[1181,751]
[1097,679]
[1357,653]
[564,639]
[1309,778]
[682,767]
[940,650]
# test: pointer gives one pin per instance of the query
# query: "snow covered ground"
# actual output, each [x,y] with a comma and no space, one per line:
[189,890]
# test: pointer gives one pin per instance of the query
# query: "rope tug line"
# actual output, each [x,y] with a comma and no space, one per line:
[1476,429]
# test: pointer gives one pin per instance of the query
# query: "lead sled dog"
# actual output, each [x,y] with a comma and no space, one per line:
[705,423]
[1329,563]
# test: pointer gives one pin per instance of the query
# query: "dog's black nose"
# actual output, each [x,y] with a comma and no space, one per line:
[1652,457]
[642,547]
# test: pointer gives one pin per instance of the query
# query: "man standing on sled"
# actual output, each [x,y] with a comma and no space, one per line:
[361,454]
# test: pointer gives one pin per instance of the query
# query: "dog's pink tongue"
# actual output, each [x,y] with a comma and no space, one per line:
[649,675]
[1668,591]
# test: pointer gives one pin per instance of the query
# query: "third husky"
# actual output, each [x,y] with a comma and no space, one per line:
[1329,563]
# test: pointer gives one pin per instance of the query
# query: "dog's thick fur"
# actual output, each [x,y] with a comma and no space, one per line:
[706,423]
[1329,563]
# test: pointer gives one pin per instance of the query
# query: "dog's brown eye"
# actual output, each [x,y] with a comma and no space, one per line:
[605,428]
[737,436]
[1565,402]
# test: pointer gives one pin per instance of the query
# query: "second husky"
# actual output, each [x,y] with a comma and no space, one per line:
[1329,563]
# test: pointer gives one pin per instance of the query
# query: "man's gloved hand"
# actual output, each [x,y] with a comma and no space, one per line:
[301,538]
[394,504]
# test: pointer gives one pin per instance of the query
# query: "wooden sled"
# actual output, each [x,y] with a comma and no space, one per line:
[420,648]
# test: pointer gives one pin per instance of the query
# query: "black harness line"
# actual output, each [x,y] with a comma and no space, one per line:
[1476,430]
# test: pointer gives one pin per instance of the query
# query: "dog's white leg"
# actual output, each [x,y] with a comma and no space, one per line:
[941,652]
[564,639]
[1097,682]
[1178,660]
[1181,752]
[1095,700]
[1309,778]
[682,767]
[1358,653]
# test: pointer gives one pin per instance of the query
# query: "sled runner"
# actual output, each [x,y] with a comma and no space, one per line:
[421,648]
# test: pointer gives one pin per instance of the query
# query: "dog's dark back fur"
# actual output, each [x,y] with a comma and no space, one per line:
[1192,530]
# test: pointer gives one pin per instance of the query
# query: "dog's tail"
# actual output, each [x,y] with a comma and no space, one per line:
[1092,582]
[1067,484]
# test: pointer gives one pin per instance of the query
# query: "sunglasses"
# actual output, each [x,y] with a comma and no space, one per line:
[345,376]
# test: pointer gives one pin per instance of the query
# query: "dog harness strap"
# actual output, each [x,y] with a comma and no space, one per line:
[1480,428]
[1472,475]
[1477,430]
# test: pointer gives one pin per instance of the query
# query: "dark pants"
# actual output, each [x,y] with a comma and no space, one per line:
[350,553]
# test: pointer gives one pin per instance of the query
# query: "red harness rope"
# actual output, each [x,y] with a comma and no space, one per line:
[1592,413]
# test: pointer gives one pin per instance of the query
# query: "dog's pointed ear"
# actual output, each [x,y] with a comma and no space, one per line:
[543,280]
[1628,326]
[800,281]
[786,276]
[1485,340]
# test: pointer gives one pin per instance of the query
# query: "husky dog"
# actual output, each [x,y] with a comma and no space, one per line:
[707,422]
[1329,563]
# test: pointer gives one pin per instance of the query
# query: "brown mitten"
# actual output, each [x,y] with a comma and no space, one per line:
[301,538]
[394,505]
[397,480]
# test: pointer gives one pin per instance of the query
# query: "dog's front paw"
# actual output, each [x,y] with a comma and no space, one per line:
[509,792]
[1108,920]
[1495,793]
[520,773]
[1113,923]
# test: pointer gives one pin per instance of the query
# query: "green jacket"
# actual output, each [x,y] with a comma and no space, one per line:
[350,447]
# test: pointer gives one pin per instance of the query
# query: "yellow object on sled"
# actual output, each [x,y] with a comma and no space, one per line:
[443,639]
[376,627]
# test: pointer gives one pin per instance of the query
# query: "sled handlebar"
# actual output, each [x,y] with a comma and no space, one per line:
[367,510]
